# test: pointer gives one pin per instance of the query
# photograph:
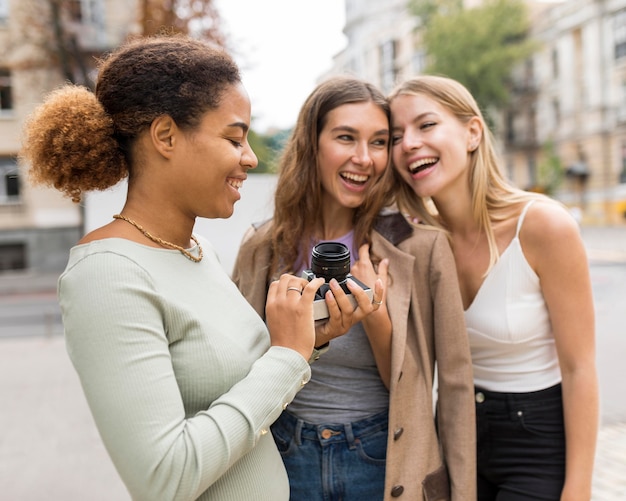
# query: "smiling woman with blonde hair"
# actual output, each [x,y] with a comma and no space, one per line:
[525,284]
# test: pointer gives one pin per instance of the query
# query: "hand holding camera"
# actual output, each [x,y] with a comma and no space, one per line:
[342,310]
[332,260]
[289,310]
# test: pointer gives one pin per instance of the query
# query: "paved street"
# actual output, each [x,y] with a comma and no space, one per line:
[50,449]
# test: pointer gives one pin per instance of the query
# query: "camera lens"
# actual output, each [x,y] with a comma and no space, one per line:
[331,260]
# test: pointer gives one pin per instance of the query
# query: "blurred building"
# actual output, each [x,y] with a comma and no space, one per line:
[568,100]
[383,42]
[579,81]
[42,44]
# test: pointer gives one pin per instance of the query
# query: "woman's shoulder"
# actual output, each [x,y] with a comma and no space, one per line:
[394,225]
[412,237]
[549,234]
[103,232]
[547,219]
[257,232]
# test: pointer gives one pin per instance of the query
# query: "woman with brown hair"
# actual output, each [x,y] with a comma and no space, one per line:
[365,426]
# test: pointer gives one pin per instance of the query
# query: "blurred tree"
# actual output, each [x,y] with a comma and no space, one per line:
[72,61]
[550,173]
[477,46]
[268,148]
[198,17]
[69,34]
[264,153]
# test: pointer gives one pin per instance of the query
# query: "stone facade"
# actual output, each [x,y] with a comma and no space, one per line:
[38,225]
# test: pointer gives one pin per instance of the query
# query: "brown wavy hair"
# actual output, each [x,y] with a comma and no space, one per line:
[298,198]
[78,141]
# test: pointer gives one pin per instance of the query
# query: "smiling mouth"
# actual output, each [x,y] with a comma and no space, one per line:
[358,179]
[235,183]
[421,164]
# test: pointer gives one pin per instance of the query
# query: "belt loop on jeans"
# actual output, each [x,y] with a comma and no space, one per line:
[297,433]
[350,435]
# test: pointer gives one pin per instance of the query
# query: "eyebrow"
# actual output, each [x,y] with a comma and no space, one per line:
[425,114]
[347,128]
[419,117]
[240,125]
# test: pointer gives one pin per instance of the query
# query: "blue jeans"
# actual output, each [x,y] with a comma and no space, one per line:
[332,462]
[521,445]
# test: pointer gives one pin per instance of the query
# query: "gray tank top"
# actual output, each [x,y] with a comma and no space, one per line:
[345,385]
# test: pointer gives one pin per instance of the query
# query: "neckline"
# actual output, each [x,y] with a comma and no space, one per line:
[102,241]
[496,265]
[518,228]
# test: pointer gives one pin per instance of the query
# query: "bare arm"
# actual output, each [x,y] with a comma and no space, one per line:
[552,243]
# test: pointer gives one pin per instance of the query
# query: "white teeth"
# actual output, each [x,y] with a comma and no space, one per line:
[354,177]
[235,183]
[422,161]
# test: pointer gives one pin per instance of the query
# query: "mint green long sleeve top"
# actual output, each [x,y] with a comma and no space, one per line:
[178,372]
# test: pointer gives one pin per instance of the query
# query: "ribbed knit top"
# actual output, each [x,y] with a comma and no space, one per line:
[178,372]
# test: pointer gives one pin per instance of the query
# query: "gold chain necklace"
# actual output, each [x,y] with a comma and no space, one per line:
[165,243]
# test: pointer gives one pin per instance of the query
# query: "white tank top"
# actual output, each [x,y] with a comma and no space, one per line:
[509,329]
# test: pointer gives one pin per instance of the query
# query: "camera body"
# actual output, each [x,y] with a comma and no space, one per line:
[331,260]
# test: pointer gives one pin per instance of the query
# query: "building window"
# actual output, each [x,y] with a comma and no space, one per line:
[510,127]
[6,95]
[555,63]
[621,109]
[75,10]
[418,62]
[4,11]
[9,181]
[12,257]
[388,73]
[619,27]
[532,169]
[556,111]
[86,12]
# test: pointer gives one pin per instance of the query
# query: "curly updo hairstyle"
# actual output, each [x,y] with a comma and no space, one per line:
[78,141]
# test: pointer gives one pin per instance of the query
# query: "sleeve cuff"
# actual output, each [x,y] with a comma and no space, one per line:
[319,351]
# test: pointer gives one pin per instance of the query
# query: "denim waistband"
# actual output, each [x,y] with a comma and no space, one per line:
[552,391]
[332,432]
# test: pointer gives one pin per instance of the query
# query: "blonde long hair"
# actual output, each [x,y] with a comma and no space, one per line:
[493,196]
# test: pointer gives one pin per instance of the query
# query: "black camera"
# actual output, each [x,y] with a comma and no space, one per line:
[331,260]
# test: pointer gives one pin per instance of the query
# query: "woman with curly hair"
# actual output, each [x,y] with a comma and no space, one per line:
[181,375]
[364,428]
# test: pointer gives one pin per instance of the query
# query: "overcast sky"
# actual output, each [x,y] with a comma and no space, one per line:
[282,46]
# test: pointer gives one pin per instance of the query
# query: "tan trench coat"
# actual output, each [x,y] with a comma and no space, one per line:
[425,460]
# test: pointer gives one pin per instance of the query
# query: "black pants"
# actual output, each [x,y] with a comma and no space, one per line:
[521,445]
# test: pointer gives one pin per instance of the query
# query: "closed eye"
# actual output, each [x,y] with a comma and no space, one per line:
[345,137]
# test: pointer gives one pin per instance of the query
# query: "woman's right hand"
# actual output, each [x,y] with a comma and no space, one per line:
[289,313]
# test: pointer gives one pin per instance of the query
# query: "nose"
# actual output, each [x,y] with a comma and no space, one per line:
[410,141]
[362,155]
[248,157]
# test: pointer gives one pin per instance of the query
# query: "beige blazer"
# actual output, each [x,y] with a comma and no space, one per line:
[426,460]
